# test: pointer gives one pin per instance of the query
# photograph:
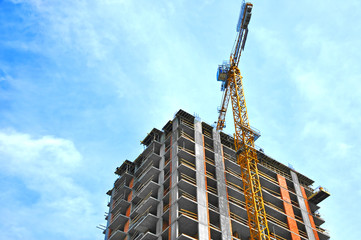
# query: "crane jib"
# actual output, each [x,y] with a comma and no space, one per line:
[244,137]
[242,28]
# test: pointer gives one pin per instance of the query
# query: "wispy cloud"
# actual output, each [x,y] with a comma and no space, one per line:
[46,195]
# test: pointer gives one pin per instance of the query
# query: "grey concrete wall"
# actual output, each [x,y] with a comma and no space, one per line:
[202,202]
[301,202]
[161,190]
[173,213]
[222,187]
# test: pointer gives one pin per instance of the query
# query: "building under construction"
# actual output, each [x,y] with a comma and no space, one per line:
[186,184]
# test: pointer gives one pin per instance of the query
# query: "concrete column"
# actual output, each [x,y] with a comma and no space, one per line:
[301,202]
[161,190]
[173,212]
[222,187]
[202,198]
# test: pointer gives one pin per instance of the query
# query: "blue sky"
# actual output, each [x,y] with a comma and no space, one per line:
[82,82]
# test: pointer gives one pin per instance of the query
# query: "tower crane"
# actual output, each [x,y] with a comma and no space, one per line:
[245,136]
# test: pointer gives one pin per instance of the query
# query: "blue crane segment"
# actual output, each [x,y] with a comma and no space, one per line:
[242,29]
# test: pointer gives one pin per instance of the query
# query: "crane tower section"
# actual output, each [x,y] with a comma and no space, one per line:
[244,137]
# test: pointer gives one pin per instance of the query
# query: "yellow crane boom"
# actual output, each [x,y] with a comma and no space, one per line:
[244,137]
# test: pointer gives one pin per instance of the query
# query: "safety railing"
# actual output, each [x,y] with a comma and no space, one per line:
[166,174]
[208,146]
[145,157]
[117,194]
[185,135]
[322,230]
[231,171]
[187,195]
[188,178]
[276,194]
[168,135]
[291,189]
[135,235]
[214,208]
[119,186]
[123,173]
[115,230]
[277,237]
[186,150]
[275,220]
[116,214]
[166,161]
[187,123]
[285,225]
[212,190]
[238,218]
[273,206]
[210,161]
[188,214]
[236,201]
[143,201]
[140,216]
[308,188]
[190,237]
[165,207]
[214,226]
[140,187]
[118,201]
[231,184]
[149,166]
[206,133]
[229,157]
[299,218]
[302,233]
[211,175]
[166,191]
[187,163]
[167,148]
[295,203]
[268,177]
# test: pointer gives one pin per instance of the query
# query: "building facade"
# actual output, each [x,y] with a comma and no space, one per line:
[186,184]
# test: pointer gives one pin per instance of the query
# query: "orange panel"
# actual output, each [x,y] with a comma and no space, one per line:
[129,198]
[131,183]
[109,233]
[126,226]
[283,187]
[128,211]
[309,213]
[165,225]
[285,195]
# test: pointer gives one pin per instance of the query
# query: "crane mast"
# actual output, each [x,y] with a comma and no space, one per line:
[245,136]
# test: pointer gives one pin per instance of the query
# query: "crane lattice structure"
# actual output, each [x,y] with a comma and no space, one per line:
[245,136]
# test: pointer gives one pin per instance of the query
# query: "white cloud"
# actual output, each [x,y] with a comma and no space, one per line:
[48,197]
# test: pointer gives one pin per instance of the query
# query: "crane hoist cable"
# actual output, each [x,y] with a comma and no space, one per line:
[245,136]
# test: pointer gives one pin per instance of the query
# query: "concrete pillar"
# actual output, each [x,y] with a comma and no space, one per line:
[222,187]
[173,212]
[202,198]
[161,190]
[301,202]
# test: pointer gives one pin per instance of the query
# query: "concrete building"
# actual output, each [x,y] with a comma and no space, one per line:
[186,184]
